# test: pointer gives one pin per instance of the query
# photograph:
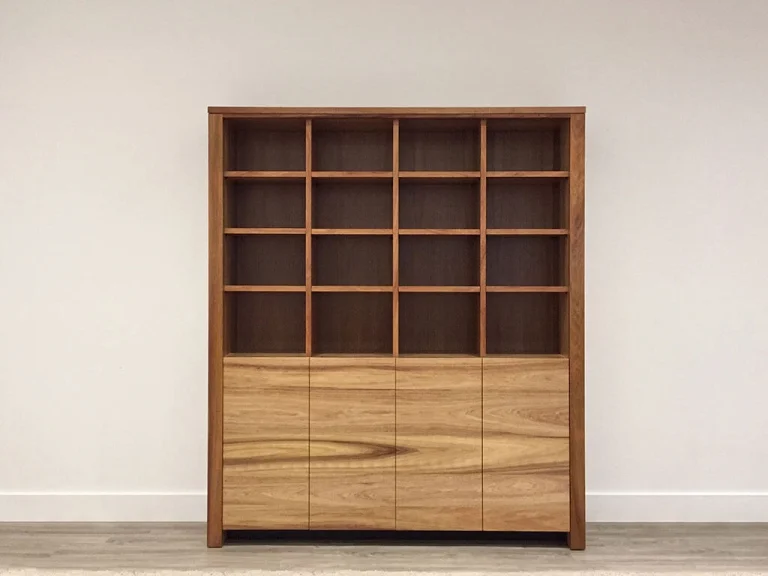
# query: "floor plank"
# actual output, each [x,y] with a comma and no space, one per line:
[635,547]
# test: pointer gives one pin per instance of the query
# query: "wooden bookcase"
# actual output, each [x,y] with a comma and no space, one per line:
[396,320]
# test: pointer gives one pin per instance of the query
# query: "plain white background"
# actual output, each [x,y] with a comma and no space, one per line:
[103,225]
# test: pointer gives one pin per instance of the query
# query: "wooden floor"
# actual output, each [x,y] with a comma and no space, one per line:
[610,547]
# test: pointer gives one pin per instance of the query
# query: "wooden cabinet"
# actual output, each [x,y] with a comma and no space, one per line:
[352,444]
[439,444]
[525,444]
[396,335]
[266,443]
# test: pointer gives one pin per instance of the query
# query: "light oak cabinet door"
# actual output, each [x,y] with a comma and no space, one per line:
[352,444]
[266,443]
[439,444]
[525,444]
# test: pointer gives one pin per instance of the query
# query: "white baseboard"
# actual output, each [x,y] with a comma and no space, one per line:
[102,506]
[677,506]
[191,506]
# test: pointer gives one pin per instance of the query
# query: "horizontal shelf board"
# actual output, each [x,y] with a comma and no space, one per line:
[527,232]
[265,355]
[441,289]
[272,288]
[253,231]
[352,231]
[439,231]
[527,174]
[398,112]
[347,175]
[351,355]
[522,289]
[264,175]
[455,176]
[526,356]
[352,288]
[428,355]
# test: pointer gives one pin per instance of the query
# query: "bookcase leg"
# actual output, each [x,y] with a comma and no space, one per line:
[215,537]
[577,538]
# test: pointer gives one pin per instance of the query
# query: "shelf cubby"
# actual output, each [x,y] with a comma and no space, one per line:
[339,260]
[524,323]
[526,203]
[266,322]
[265,204]
[348,145]
[442,204]
[440,145]
[264,260]
[439,260]
[438,323]
[351,323]
[266,145]
[351,204]
[526,260]
[522,144]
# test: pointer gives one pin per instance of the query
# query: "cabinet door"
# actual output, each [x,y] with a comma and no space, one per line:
[525,444]
[352,444]
[439,450]
[266,443]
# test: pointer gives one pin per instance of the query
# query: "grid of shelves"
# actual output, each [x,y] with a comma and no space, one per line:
[410,236]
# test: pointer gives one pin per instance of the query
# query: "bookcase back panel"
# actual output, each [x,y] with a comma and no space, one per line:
[266,145]
[352,260]
[439,145]
[265,260]
[439,204]
[521,203]
[439,260]
[524,323]
[349,145]
[352,323]
[433,323]
[352,204]
[267,204]
[526,145]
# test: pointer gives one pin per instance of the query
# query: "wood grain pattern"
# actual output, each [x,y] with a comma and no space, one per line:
[439,452]
[352,444]
[399,112]
[525,444]
[439,231]
[266,443]
[576,537]
[527,174]
[265,174]
[215,325]
[174,548]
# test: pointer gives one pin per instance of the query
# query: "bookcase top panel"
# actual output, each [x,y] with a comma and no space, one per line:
[397,112]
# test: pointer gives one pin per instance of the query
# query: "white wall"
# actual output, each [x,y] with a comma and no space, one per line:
[103,215]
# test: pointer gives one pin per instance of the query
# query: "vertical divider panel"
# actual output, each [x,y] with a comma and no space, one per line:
[215,329]
[483,232]
[576,536]
[308,237]
[565,262]
[396,266]
[395,237]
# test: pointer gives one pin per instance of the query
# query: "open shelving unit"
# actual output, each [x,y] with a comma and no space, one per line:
[437,212]
[396,320]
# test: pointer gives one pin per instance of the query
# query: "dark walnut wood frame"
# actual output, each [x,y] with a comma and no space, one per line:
[396,291]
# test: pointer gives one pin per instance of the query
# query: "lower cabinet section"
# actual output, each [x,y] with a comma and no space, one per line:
[376,443]
[525,444]
[266,443]
[352,444]
[439,444]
